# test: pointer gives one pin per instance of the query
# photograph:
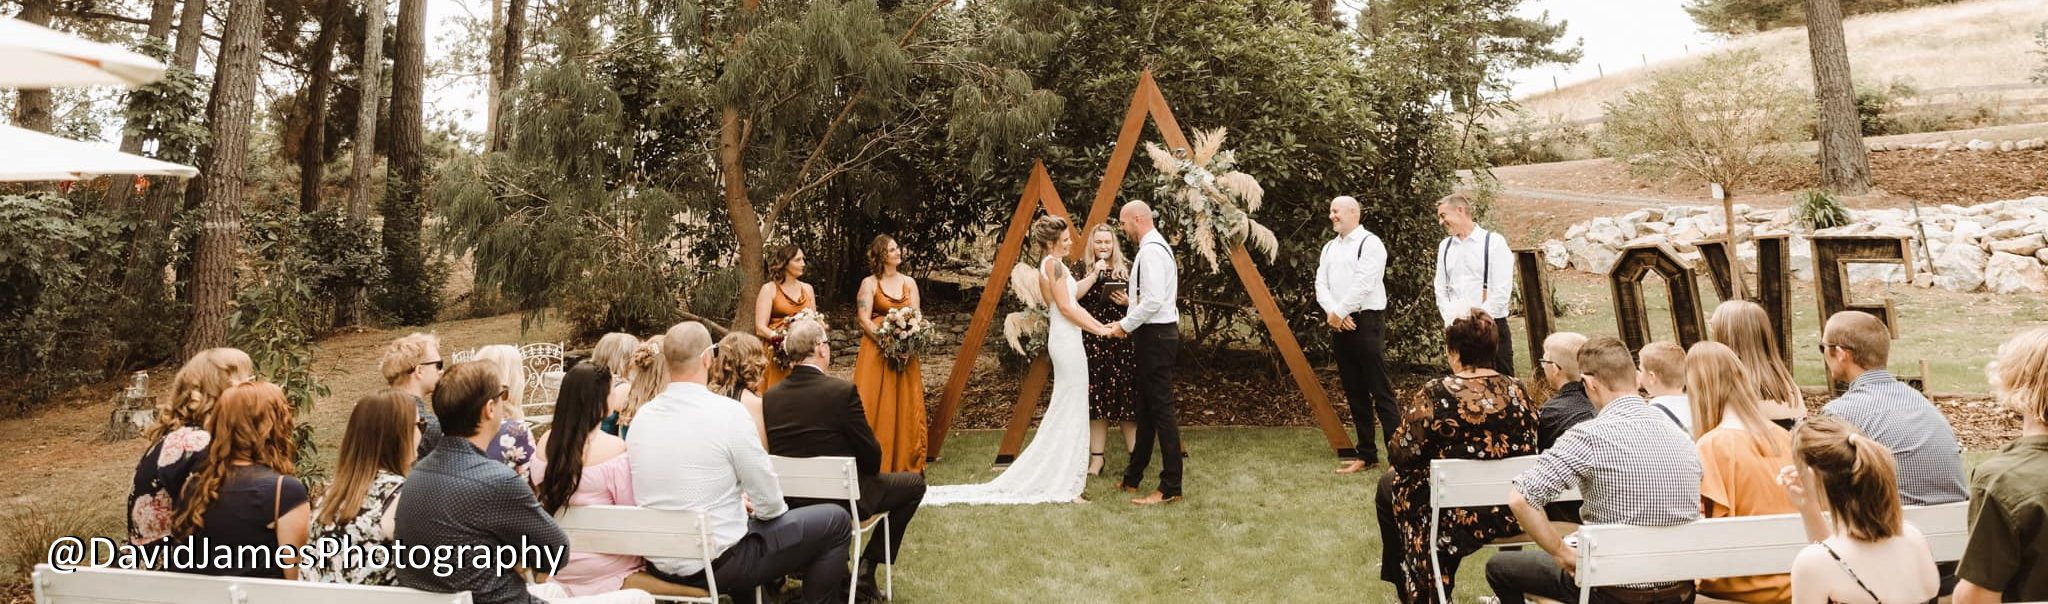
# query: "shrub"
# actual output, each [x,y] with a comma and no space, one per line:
[1818,210]
[55,296]
[1876,108]
[1724,121]
[277,311]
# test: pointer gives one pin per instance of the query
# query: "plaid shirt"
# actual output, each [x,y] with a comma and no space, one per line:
[1631,463]
[1900,418]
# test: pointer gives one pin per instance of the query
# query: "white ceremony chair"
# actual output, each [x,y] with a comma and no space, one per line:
[839,478]
[1464,483]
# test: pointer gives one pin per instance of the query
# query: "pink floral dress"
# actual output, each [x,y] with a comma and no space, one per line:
[160,483]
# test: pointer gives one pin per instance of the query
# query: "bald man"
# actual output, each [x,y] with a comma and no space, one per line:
[1352,291]
[1153,325]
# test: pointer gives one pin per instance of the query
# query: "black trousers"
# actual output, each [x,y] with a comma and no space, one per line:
[1504,358]
[1391,545]
[897,493]
[1156,347]
[808,542]
[1362,366]
[1529,571]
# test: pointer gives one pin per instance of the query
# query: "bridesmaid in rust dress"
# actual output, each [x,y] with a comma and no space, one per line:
[892,399]
[1111,364]
[783,295]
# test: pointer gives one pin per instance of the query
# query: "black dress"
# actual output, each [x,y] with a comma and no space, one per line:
[251,500]
[1110,362]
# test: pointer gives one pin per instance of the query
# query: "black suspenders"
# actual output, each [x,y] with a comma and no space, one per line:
[1485,262]
[1135,266]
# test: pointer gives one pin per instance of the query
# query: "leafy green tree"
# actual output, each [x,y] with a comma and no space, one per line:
[1724,121]
[1747,16]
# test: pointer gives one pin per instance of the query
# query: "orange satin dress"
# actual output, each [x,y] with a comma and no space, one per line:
[778,315]
[892,400]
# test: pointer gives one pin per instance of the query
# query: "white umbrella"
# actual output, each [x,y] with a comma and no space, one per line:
[32,56]
[29,155]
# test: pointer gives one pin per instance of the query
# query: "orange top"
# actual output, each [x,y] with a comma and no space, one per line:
[1739,478]
[884,303]
[783,306]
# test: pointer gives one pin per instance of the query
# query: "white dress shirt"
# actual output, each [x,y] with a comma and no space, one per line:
[1155,285]
[1351,276]
[1474,271]
[694,450]
[1680,407]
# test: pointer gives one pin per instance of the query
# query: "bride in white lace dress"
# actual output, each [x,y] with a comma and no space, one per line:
[1053,467]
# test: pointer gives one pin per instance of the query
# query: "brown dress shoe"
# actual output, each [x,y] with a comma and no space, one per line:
[1156,498]
[1127,488]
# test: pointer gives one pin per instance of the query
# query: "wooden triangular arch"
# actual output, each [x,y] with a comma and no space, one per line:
[1039,191]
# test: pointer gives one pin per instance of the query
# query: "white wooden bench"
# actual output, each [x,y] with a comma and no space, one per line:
[120,586]
[635,531]
[838,478]
[1464,483]
[1615,554]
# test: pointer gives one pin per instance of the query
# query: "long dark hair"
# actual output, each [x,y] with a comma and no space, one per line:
[578,409]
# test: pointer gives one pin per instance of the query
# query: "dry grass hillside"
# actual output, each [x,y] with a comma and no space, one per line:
[1974,43]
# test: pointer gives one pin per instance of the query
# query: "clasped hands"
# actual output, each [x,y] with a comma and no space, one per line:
[1339,322]
[1113,330]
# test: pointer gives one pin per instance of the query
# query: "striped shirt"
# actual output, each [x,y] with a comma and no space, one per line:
[1631,463]
[1900,418]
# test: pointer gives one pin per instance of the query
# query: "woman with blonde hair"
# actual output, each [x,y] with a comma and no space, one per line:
[180,439]
[647,374]
[513,445]
[1111,363]
[1745,328]
[736,372]
[244,495]
[783,295]
[613,352]
[1846,487]
[2004,560]
[1741,454]
[361,504]
[892,398]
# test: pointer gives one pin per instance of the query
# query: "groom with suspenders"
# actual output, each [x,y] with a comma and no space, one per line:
[1153,324]
[1475,269]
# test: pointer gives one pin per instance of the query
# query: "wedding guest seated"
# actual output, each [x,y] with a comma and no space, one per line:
[513,444]
[736,373]
[2007,557]
[413,365]
[582,465]
[1741,454]
[457,497]
[1856,347]
[1568,405]
[692,449]
[1661,374]
[244,495]
[646,376]
[614,352]
[1631,465]
[180,439]
[1474,413]
[812,414]
[1746,328]
[1867,553]
[360,504]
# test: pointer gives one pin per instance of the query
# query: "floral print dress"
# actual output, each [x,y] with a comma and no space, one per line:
[1486,417]
[366,530]
[160,483]
[513,446]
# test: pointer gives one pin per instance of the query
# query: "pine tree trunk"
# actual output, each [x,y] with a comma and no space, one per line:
[32,107]
[493,75]
[313,146]
[1324,11]
[746,222]
[1844,162]
[508,74]
[191,35]
[409,298]
[228,118]
[350,309]
[160,204]
[121,189]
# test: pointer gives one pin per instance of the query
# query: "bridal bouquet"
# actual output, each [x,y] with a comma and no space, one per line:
[782,358]
[902,334]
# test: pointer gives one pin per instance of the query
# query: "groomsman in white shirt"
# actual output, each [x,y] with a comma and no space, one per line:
[1351,289]
[1474,269]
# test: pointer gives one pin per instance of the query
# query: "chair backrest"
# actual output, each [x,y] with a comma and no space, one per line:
[1460,483]
[1614,554]
[818,477]
[543,364]
[461,357]
[108,585]
[636,531]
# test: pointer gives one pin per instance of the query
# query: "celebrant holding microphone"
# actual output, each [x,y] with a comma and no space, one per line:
[1110,360]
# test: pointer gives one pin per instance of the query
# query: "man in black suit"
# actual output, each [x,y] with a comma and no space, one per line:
[811,414]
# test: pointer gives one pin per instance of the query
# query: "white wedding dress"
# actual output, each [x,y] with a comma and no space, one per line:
[1054,466]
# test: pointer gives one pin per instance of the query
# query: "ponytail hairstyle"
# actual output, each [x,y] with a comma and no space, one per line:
[1857,475]
[578,411]
[647,372]
[1717,384]
[197,385]
[251,422]
[380,435]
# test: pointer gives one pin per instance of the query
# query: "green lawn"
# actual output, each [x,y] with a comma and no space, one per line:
[1265,521]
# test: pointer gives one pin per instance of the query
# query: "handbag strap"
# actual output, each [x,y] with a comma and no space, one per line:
[276,502]
[1852,573]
